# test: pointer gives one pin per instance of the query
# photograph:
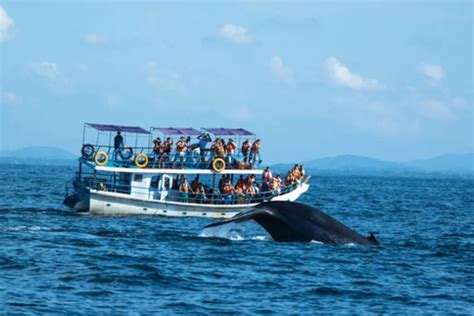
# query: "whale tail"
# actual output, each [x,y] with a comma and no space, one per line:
[372,238]
[291,221]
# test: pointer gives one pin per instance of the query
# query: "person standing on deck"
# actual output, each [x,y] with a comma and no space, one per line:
[277,183]
[204,139]
[180,151]
[184,189]
[228,191]
[157,149]
[167,144]
[118,145]
[255,152]
[245,150]
[230,148]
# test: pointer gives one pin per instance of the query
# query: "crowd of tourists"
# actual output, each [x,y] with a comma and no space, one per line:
[243,191]
[196,154]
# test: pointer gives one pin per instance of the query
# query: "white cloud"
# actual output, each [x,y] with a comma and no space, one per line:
[6,23]
[235,33]
[46,69]
[94,39]
[9,98]
[434,72]
[341,75]
[163,80]
[281,71]
[433,109]
[51,76]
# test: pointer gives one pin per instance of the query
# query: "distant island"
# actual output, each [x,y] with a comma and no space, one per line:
[37,155]
[447,164]
[343,164]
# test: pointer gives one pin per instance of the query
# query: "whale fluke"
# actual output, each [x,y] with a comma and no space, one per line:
[292,221]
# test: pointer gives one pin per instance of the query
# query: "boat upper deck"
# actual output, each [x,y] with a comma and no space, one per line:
[170,148]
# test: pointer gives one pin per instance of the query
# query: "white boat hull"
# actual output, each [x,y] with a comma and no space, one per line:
[111,203]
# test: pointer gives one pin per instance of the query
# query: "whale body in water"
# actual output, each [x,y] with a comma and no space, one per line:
[292,221]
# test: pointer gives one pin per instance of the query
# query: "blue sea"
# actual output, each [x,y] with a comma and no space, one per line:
[55,261]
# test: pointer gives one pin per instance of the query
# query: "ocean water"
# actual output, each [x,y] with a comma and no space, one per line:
[55,261]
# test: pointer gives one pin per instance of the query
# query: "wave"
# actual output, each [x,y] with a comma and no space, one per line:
[23,228]
[33,210]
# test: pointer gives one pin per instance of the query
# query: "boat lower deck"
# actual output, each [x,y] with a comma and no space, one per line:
[112,203]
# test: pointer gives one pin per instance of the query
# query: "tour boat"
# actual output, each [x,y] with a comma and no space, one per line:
[141,180]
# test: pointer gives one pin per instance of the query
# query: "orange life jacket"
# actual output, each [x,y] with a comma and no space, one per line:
[184,188]
[180,146]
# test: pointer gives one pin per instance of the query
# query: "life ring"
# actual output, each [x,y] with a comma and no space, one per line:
[141,160]
[127,153]
[87,151]
[218,165]
[101,158]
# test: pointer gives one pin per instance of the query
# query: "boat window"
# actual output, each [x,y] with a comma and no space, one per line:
[138,178]
[155,180]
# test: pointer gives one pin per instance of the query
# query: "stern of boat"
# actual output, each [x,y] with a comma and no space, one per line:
[76,196]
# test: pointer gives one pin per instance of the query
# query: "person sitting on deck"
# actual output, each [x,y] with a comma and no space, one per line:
[245,150]
[230,148]
[118,145]
[184,189]
[255,152]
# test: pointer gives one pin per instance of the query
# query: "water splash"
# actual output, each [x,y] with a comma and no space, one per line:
[230,231]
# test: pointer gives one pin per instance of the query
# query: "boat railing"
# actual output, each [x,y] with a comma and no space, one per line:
[154,192]
[190,159]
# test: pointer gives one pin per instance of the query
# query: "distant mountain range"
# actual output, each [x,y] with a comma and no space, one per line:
[450,163]
[37,154]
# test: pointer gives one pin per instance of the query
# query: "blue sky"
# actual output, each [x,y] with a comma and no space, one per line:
[392,80]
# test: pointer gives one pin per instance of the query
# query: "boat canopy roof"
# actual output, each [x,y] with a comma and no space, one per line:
[172,131]
[118,128]
[229,131]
